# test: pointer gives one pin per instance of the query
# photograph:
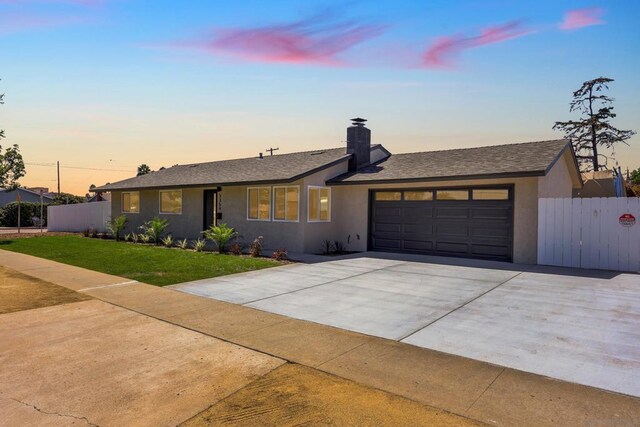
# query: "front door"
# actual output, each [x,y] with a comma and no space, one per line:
[211,214]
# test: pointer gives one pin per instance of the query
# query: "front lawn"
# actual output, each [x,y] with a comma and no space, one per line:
[149,264]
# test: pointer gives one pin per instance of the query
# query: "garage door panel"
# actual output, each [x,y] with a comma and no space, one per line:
[491,231]
[464,228]
[426,228]
[452,212]
[418,245]
[496,213]
[388,243]
[383,227]
[417,212]
[498,251]
[452,247]
[451,229]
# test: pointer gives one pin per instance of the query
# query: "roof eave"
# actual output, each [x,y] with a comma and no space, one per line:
[440,178]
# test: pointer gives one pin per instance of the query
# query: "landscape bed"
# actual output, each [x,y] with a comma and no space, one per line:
[150,264]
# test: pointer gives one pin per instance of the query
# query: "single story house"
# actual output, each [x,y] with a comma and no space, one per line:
[476,202]
[26,195]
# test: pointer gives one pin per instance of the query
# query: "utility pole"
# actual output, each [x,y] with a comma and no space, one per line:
[271,150]
[58,163]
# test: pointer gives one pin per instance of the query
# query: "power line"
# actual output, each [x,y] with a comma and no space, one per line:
[53,165]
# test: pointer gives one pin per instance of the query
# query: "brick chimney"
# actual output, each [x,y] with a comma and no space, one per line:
[358,144]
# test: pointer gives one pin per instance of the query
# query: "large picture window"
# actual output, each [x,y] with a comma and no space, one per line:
[259,203]
[286,203]
[131,202]
[171,202]
[319,204]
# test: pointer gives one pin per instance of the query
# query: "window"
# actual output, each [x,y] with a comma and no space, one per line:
[388,195]
[259,203]
[286,203]
[491,194]
[171,202]
[319,204]
[452,195]
[131,202]
[418,195]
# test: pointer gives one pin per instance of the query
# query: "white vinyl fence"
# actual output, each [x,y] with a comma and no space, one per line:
[598,233]
[79,217]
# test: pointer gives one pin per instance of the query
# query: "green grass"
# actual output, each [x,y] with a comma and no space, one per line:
[149,264]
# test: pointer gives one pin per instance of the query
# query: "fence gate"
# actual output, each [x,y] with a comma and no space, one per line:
[598,233]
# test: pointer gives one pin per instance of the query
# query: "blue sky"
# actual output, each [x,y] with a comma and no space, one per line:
[108,85]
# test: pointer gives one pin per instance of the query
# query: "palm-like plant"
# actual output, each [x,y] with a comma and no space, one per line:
[220,234]
[116,226]
[155,229]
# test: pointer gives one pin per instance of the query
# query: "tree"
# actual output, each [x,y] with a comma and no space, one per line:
[593,129]
[11,163]
[634,177]
[143,169]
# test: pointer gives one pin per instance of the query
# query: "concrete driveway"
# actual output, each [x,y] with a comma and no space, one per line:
[578,326]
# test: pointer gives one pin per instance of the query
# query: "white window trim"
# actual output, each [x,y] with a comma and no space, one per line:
[160,202]
[270,204]
[122,202]
[273,204]
[318,187]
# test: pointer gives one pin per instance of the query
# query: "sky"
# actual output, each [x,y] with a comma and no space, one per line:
[104,85]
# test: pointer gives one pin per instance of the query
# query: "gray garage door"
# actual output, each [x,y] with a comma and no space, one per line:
[472,223]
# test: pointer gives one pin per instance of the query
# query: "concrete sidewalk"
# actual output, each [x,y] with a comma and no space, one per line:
[476,390]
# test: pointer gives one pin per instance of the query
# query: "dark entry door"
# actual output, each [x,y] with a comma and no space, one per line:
[469,222]
[211,213]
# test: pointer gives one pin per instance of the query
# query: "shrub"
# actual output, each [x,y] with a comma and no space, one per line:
[135,238]
[93,232]
[327,247]
[86,232]
[28,211]
[221,234]
[236,248]
[255,248]
[198,245]
[155,229]
[117,225]
[183,244]
[168,241]
[338,247]
[127,237]
[144,238]
[279,254]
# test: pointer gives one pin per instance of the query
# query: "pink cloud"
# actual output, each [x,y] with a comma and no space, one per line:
[443,51]
[17,22]
[580,18]
[315,41]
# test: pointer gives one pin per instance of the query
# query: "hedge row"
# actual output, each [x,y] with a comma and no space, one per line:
[28,211]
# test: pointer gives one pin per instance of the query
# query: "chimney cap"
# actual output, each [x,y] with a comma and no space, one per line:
[358,121]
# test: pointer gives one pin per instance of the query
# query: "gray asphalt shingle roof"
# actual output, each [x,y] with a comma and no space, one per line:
[524,159]
[276,168]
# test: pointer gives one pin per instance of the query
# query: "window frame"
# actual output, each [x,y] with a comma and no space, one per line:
[318,187]
[270,203]
[160,202]
[273,203]
[122,202]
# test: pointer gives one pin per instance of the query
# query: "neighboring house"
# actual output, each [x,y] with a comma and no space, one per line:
[98,197]
[477,202]
[603,183]
[8,196]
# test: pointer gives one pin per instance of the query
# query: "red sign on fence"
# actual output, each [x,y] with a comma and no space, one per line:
[627,220]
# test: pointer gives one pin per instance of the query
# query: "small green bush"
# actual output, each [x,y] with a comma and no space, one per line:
[183,244]
[117,225]
[155,229]
[198,245]
[220,234]
[168,241]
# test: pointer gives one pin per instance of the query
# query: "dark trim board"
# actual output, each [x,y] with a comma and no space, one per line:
[481,229]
